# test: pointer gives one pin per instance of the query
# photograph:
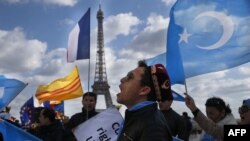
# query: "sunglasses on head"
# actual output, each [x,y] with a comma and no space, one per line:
[243,109]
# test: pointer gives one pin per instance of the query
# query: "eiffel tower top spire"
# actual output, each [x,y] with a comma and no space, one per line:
[100,14]
[100,6]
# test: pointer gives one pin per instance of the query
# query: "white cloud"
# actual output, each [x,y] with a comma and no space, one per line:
[69,22]
[61,2]
[53,62]
[23,54]
[244,69]
[121,24]
[151,41]
[55,2]
[156,22]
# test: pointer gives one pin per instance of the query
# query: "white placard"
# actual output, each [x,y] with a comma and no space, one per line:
[103,127]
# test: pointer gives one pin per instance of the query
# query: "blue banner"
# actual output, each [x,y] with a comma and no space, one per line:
[12,133]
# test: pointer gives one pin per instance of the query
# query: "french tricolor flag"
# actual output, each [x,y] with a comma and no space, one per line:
[79,40]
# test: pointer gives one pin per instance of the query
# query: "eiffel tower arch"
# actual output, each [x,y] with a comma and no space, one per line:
[101,86]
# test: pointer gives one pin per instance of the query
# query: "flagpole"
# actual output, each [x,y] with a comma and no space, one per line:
[185,87]
[88,88]
[88,77]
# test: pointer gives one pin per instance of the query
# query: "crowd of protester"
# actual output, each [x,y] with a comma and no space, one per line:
[49,125]
[146,92]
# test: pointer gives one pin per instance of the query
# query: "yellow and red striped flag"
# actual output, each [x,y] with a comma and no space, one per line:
[68,87]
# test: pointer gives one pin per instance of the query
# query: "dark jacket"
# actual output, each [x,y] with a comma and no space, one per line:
[1,137]
[177,124]
[53,132]
[79,118]
[145,124]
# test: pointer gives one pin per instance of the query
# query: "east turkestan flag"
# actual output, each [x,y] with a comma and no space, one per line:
[206,36]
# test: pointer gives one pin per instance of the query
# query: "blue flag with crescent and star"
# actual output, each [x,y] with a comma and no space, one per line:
[206,36]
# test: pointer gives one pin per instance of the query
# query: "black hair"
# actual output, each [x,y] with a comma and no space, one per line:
[92,94]
[219,104]
[185,114]
[245,102]
[36,113]
[49,113]
[146,80]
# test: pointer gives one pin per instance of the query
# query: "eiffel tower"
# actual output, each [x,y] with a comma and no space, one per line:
[101,86]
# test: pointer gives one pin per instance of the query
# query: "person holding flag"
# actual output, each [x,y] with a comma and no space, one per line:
[140,90]
[218,115]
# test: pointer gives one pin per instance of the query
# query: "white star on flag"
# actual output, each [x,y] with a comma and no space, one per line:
[184,36]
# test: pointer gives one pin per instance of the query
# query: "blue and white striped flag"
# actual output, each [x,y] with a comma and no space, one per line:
[79,40]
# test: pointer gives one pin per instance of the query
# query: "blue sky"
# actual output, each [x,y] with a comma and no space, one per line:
[33,43]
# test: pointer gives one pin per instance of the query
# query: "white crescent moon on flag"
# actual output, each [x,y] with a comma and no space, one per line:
[228,28]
